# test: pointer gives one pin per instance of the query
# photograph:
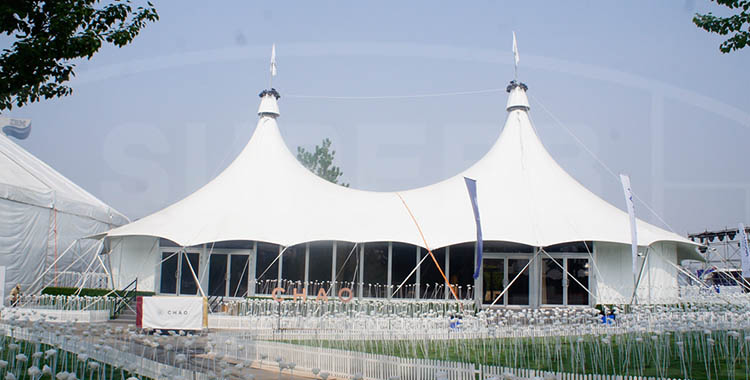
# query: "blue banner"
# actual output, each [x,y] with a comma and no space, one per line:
[471,185]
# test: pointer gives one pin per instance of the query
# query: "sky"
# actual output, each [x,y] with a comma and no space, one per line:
[615,87]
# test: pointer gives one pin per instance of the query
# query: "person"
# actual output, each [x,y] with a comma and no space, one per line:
[15,295]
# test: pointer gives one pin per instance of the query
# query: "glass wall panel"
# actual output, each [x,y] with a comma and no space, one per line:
[293,268]
[432,283]
[168,283]
[321,258]
[238,275]
[493,271]
[552,282]
[404,258]
[578,268]
[347,262]
[376,269]
[267,268]
[462,270]
[217,275]
[518,293]
[187,281]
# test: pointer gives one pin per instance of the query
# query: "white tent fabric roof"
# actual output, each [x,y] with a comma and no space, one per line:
[26,179]
[524,197]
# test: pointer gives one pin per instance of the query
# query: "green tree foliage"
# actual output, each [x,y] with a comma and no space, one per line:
[320,162]
[47,35]
[737,25]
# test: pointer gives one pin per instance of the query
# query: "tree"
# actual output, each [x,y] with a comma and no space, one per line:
[737,25]
[320,162]
[49,35]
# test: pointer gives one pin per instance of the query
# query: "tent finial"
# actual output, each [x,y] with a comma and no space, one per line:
[517,98]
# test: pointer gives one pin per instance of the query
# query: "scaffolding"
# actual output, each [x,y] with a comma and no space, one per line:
[720,249]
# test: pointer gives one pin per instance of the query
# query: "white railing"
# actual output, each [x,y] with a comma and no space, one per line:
[344,364]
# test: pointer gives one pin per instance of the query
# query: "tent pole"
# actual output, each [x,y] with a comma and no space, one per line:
[83,276]
[273,262]
[69,266]
[414,219]
[104,266]
[515,278]
[410,274]
[690,275]
[54,210]
[192,271]
[334,249]
[206,260]
[640,275]
[389,278]
[111,275]
[53,265]
[242,275]
[571,276]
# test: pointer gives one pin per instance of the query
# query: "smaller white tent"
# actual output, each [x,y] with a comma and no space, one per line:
[42,213]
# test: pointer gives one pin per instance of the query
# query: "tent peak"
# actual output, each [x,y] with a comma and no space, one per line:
[268,105]
[517,98]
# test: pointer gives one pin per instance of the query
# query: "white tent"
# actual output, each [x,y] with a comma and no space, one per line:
[524,197]
[44,213]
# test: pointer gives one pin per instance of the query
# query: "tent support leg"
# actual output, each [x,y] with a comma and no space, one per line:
[50,267]
[192,271]
[633,298]
[515,278]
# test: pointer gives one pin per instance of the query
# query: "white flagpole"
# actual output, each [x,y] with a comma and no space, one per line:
[273,65]
[516,58]
[633,232]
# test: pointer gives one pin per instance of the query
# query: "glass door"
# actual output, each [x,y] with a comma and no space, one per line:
[518,293]
[168,281]
[561,288]
[217,275]
[497,273]
[238,276]
[578,278]
[552,283]
[187,281]
[493,280]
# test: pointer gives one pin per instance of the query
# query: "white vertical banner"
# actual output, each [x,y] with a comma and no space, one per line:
[273,60]
[631,213]
[744,251]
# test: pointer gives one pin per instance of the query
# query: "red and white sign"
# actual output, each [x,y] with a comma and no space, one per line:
[171,313]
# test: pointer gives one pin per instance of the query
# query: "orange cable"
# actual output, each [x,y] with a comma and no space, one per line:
[428,247]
